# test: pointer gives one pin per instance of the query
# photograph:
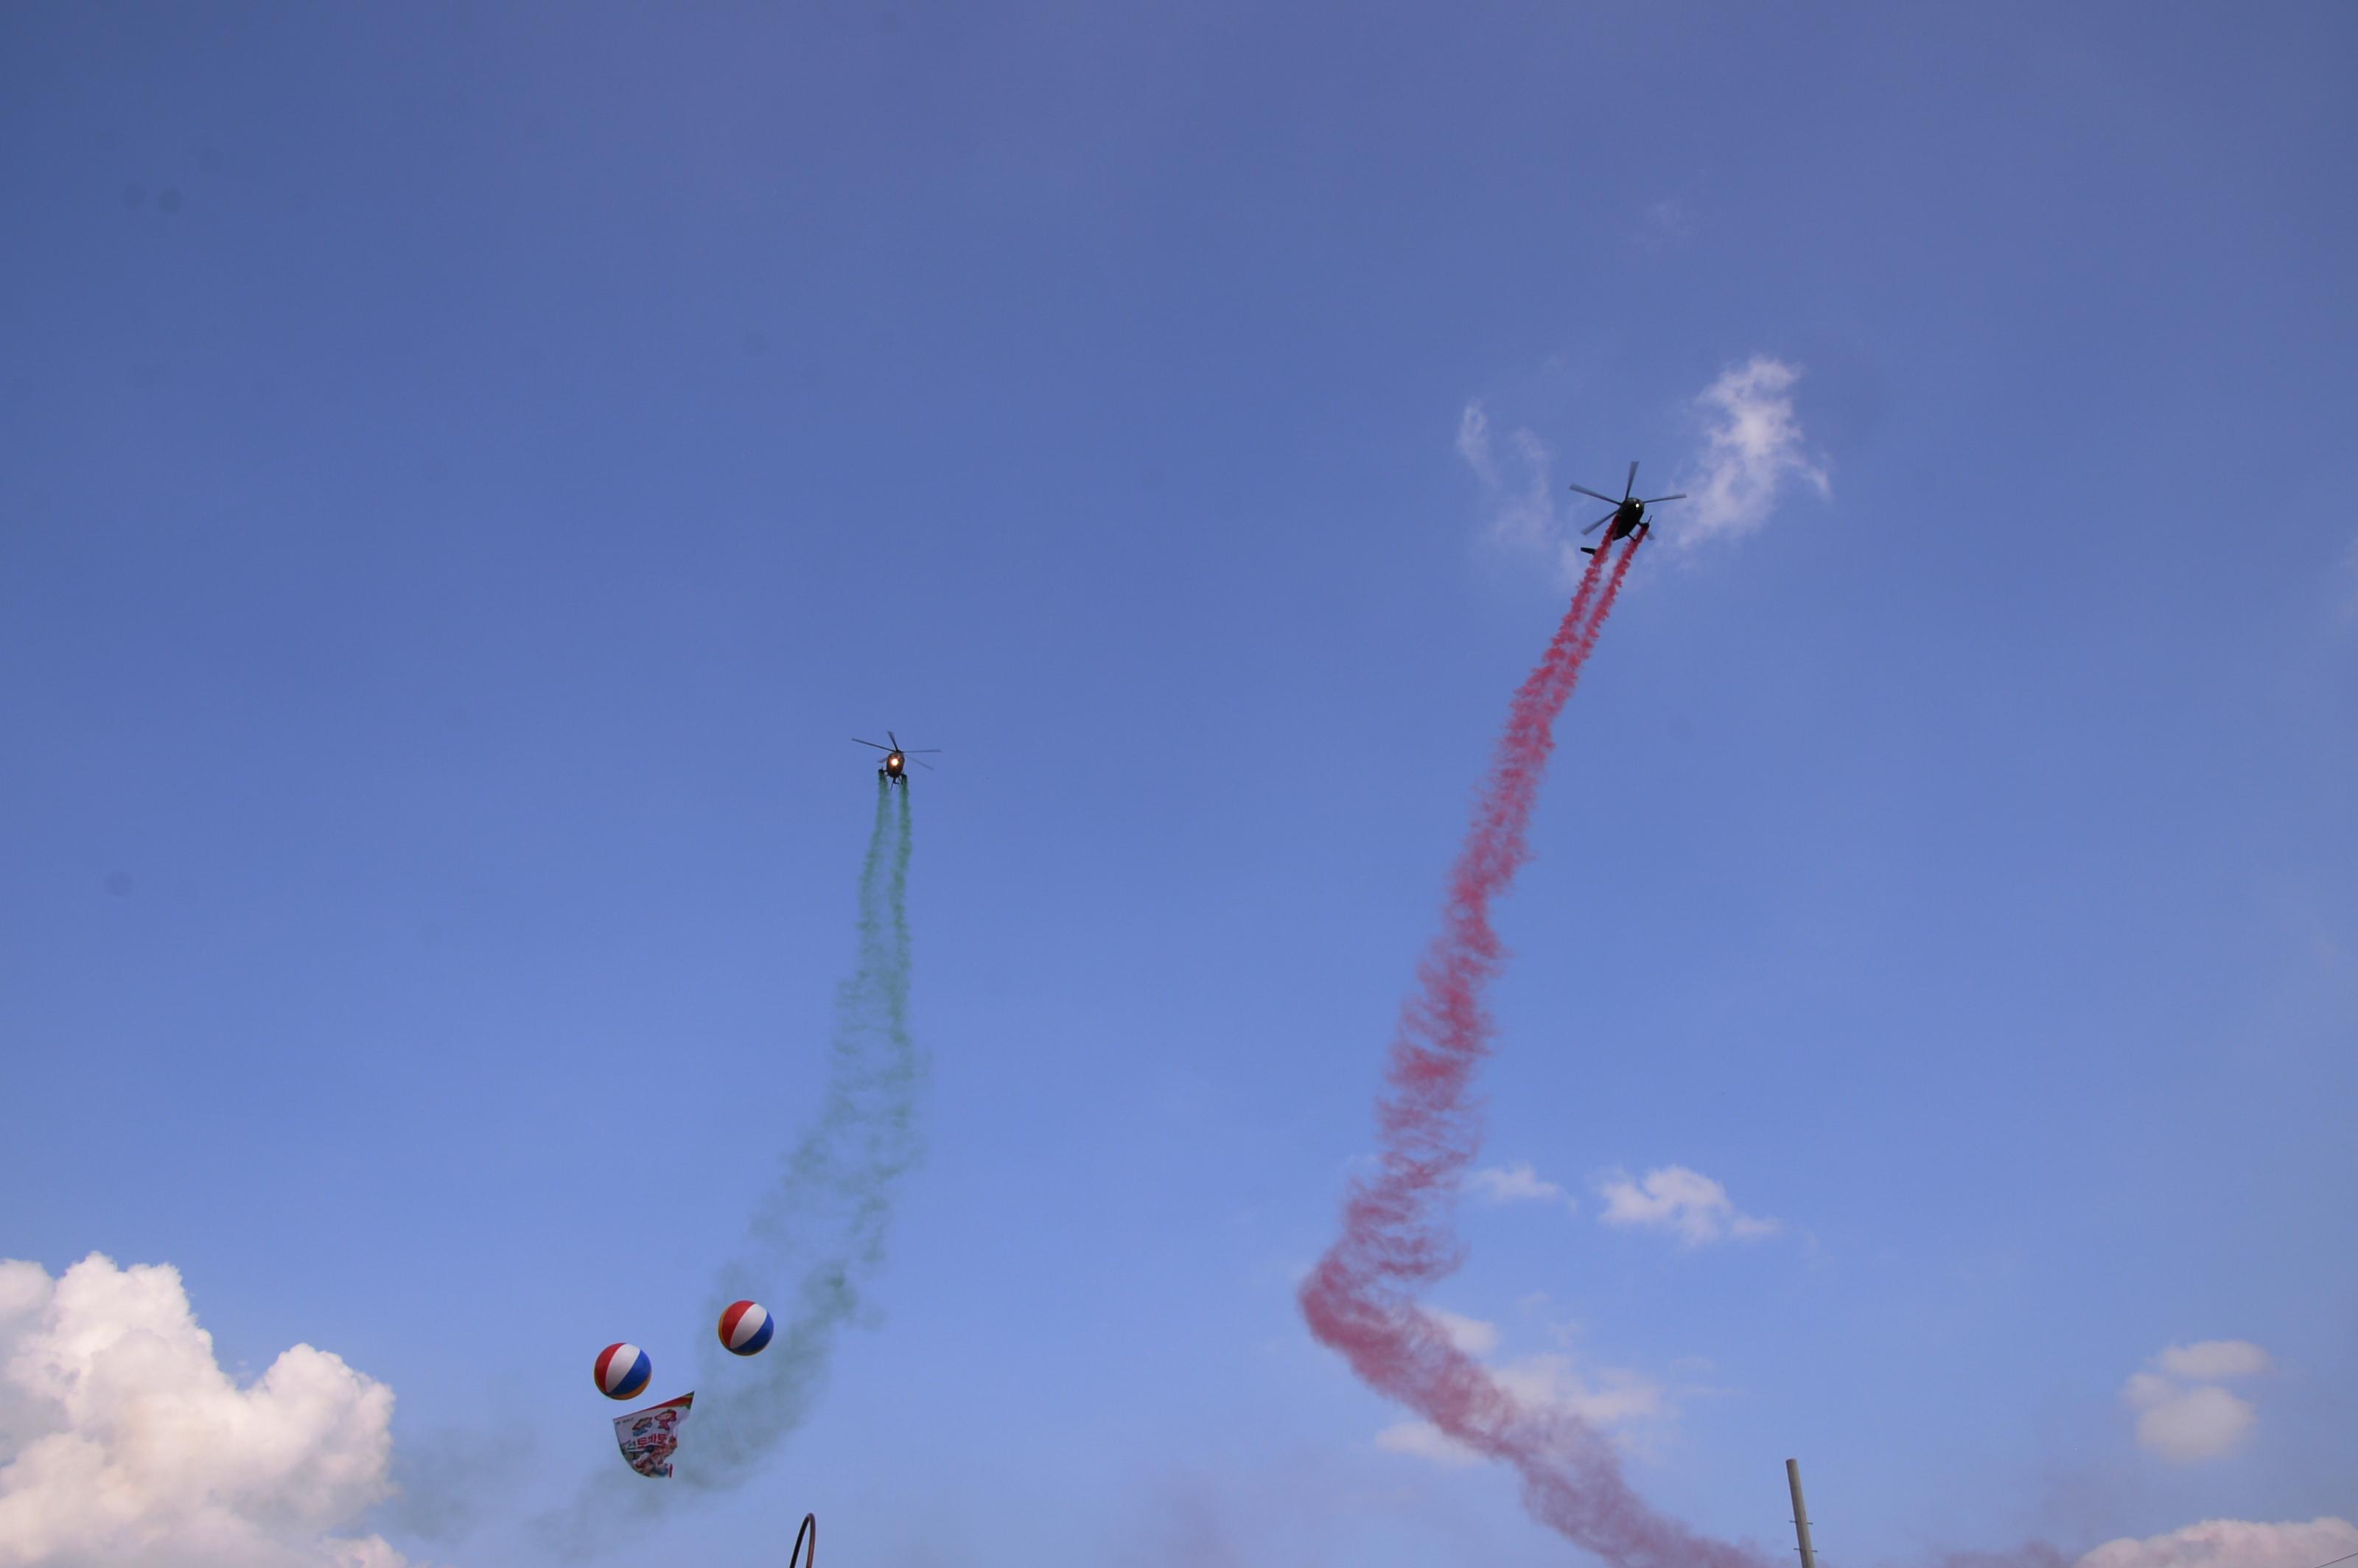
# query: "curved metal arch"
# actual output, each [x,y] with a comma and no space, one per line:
[810,1529]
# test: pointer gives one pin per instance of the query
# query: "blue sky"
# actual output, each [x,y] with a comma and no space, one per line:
[472,468]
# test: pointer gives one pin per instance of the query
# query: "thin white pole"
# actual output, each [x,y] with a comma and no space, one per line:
[1801,1514]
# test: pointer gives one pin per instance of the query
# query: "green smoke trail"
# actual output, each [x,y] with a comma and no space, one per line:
[823,1225]
[816,1238]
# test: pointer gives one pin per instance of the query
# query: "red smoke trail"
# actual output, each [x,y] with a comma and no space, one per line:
[1362,1299]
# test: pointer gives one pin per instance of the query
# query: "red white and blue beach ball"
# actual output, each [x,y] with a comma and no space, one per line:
[622,1371]
[745,1327]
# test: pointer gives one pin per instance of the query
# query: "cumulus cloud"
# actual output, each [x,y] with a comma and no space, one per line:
[1517,1183]
[2185,1424]
[123,1441]
[1622,1403]
[2231,1543]
[1753,448]
[2208,1358]
[1687,1203]
[2182,1413]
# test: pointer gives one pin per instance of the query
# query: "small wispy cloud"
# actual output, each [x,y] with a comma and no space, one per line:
[1426,1440]
[1520,483]
[1471,1335]
[1517,1184]
[1626,1405]
[1753,449]
[2183,1413]
[1666,224]
[1474,442]
[1686,1203]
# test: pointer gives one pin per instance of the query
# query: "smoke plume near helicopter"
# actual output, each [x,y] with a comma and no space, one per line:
[824,1223]
[1363,1298]
[816,1237]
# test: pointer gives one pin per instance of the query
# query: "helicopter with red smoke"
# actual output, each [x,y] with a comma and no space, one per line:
[1628,514]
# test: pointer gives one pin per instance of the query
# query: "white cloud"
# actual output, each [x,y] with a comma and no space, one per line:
[2178,1424]
[1616,1397]
[1617,1402]
[1676,1199]
[2209,1358]
[1666,223]
[1523,505]
[1622,1403]
[1470,1335]
[2231,1543]
[1752,449]
[1517,1184]
[123,1441]
[1426,1441]
[1474,442]
[2182,1413]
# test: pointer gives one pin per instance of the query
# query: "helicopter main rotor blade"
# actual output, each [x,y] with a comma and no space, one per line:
[1600,523]
[1630,489]
[1660,499]
[921,750]
[857,741]
[927,766]
[1597,493]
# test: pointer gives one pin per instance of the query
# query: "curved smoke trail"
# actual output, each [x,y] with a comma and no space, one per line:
[824,1222]
[818,1236]
[1398,1240]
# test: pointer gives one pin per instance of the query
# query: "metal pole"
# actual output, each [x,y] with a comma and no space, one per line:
[1801,1514]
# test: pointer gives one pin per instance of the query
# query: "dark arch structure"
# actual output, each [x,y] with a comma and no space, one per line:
[809,1531]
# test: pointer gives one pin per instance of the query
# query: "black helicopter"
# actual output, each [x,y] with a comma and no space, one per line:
[897,758]
[1628,513]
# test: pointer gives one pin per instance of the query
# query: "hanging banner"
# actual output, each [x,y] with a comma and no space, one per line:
[650,1438]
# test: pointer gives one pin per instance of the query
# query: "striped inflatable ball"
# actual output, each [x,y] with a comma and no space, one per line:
[622,1371]
[745,1327]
